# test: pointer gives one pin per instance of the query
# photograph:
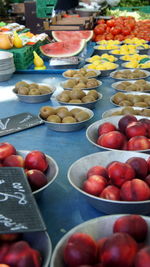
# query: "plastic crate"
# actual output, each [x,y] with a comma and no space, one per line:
[44,12]
[145,9]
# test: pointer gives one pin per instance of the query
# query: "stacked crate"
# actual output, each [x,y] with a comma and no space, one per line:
[44,8]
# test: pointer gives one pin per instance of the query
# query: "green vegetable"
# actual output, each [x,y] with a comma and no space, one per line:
[133,3]
[138,15]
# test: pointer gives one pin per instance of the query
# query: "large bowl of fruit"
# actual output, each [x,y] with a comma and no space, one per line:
[41,170]
[126,132]
[113,181]
[111,240]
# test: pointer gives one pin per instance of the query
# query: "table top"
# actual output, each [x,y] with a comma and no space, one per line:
[61,206]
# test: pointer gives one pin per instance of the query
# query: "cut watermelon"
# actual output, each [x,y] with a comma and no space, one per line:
[72,35]
[63,49]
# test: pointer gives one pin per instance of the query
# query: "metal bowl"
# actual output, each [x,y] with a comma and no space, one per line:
[6,57]
[124,65]
[130,93]
[104,73]
[69,127]
[143,51]
[5,77]
[84,12]
[111,52]
[97,228]
[102,51]
[96,71]
[91,88]
[92,132]
[109,112]
[35,98]
[114,85]
[147,73]
[41,242]
[51,173]
[90,105]
[121,58]
[77,174]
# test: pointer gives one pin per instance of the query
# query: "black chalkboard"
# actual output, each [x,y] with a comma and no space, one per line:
[18,209]
[18,123]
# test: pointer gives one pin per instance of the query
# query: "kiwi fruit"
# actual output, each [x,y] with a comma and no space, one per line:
[93,93]
[117,98]
[140,104]
[75,101]
[63,113]
[54,118]
[33,85]
[74,111]
[69,73]
[47,111]
[63,98]
[69,119]
[128,110]
[125,103]
[23,90]
[82,116]
[21,84]
[77,94]
[34,91]
[88,99]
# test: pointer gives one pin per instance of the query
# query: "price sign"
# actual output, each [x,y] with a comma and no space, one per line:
[18,209]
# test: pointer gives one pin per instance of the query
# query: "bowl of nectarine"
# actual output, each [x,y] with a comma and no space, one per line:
[113,181]
[126,132]
[92,243]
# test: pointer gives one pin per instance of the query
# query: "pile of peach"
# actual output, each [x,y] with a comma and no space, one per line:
[18,253]
[35,164]
[131,134]
[129,181]
[125,247]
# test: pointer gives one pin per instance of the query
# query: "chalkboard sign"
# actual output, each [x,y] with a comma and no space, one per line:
[18,123]
[18,208]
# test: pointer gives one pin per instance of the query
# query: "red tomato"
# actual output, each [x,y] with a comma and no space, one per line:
[99,37]
[108,29]
[110,23]
[126,31]
[99,29]
[116,30]
[80,249]
[119,37]
[100,21]
[109,36]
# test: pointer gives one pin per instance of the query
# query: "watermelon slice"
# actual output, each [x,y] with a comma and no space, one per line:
[63,49]
[72,35]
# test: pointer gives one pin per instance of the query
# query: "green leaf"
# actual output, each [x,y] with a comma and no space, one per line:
[143,60]
[105,59]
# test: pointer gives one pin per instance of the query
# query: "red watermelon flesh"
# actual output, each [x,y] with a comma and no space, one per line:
[72,35]
[63,49]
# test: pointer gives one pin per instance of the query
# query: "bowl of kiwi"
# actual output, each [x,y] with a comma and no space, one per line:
[80,73]
[65,118]
[120,111]
[131,74]
[81,98]
[132,85]
[33,92]
[131,99]
[81,83]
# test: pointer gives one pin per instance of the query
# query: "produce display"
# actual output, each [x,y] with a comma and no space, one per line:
[81,83]
[131,99]
[106,57]
[63,115]
[80,73]
[115,181]
[102,65]
[139,85]
[129,134]
[24,88]
[78,96]
[124,238]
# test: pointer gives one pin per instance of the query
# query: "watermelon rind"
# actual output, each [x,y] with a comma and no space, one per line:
[82,43]
[58,39]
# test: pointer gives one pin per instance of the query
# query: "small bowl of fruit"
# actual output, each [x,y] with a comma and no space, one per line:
[25,249]
[126,132]
[104,48]
[33,92]
[111,240]
[132,85]
[113,181]
[41,170]
[69,74]
[65,118]
[103,66]
[81,83]
[131,99]
[121,111]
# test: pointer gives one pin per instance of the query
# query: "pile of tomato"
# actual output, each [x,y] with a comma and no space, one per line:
[121,28]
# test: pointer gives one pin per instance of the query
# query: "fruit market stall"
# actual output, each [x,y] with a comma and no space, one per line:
[87,124]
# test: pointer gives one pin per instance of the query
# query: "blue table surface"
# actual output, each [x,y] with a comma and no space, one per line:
[61,206]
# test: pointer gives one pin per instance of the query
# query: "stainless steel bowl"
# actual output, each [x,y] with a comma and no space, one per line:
[109,112]
[91,88]
[92,132]
[129,93]
[104,73]
[94,76]
[77,174]
[98,228]
[5,77]
[103,51]
[90,105]
[114,85]
[41,242]
[69,127]
[51,173]
[35,98]
[126,79]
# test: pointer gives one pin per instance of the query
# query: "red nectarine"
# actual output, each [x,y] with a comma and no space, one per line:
[106,127]
[6,150]
[14,161]
[36,160]
[94,184]
[114,140]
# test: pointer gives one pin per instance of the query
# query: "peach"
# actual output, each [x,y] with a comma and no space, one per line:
[36,160]
[148,161]
[120,172]
[147,180]
[124,121]
[140,166]
[138,143]
[14,161]
[100,244]
[106,127]
[36,179]
[6,150]
[142,258]
[146,124]
[135,129]
[111,192]
[134,225]
[114,140]
[135,190]
[99,170]
[119,250]
[94,184]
